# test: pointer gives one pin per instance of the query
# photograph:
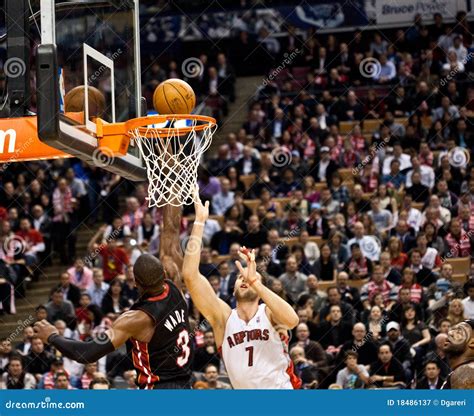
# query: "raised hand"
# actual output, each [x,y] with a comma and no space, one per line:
[202,211]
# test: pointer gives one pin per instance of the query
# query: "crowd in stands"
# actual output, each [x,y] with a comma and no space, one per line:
[357,191]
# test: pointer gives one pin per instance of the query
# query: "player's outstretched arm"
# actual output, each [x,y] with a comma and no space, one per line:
[279,312]
[170,252]
[215,310]
[127,325]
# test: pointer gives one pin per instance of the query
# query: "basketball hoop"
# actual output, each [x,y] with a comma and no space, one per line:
[171,146]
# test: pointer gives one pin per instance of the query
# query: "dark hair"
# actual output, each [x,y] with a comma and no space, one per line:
[149,272]
[351,354]
[40,307]
[211,365]
[404,319]
[468,285]
[100,380]
[431,362]
[60,374]
[385,344]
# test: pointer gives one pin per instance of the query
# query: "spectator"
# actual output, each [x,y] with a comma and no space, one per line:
[457,241]
[70,291]
[80,275]
[224,199]
[354,375]
[431,379]
[100,383]
[313,350]
[16,378]
[318,296]
[58,308]
[387,370]
[468,301]
[304,368]
[63,221]
[211,376]
[38,361]
[362,342]
[206,354]
[334,298]
[98,288]
[133,216]
[222,240]
[334,332]
[88,375]
[113,301]
[255,236]
[324,268]
[358,266]
[24,347]
[33,240]
[368,244]
[400,347]
[293,281]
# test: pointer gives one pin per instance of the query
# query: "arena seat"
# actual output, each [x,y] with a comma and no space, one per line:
[318,240]
[248,180]
[346,126]
[460,278]
[320,186]
[252,204]
[219,218]
[370,126]
[418,205]
[357,283]
[283,201]
[346,174]
[460,265]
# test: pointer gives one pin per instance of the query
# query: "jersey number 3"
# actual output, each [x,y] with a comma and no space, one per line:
[183,342]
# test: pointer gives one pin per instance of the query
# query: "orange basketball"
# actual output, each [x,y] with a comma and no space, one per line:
[174,96]
[74,101]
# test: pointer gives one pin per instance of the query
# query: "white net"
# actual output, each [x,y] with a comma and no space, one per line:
[172,160]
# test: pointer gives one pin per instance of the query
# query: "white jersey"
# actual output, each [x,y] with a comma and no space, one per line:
[254,354]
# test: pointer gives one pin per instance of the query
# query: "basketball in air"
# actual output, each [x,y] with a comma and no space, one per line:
[174,96]
[74,101]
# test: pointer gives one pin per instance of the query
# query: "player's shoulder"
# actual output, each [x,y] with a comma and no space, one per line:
[135,317]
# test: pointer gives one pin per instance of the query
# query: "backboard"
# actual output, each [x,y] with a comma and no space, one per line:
[84,43]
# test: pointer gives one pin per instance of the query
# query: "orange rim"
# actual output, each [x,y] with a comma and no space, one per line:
[151,132]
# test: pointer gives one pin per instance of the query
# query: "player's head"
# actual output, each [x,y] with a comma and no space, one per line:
[149,273]
[243,291]
[460,339]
